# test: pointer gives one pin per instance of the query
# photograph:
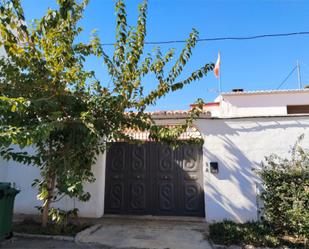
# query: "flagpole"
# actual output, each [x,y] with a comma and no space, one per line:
[298,75]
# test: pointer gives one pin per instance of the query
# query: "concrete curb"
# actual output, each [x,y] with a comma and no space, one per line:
[217,246]
[39,236]
[83,234]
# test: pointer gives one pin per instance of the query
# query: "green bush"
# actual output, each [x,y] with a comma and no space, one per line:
[251,233]
[285,211]
[286,192]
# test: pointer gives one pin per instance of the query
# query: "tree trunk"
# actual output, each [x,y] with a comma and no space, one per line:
[51,186]
[45,214]
[50,179]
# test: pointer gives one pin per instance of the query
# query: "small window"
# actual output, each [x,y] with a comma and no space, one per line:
[298,109]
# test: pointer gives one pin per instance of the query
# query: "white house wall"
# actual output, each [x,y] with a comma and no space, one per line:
[239,145]
[22,177]
[95,206]
[3,171]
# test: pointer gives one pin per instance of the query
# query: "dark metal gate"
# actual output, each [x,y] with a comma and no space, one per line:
[152,178]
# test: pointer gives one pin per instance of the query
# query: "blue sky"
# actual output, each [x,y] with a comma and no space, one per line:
[252,65]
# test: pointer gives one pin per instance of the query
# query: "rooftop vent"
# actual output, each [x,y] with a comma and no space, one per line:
[237,90]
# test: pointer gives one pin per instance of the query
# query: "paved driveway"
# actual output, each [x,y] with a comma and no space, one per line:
[147,233]
[127,232]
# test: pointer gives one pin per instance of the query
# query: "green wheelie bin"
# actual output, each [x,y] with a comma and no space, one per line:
[7,197]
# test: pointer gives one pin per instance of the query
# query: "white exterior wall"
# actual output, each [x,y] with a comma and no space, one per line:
[3,171]
[248,105]
[22,176]
[239,145]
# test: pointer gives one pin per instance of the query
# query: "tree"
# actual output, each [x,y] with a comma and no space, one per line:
[51,102]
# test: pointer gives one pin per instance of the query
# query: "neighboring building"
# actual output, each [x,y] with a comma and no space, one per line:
[215,180]
[260,103]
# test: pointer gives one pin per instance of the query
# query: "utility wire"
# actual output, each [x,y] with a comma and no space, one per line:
[239,38]
[286,78]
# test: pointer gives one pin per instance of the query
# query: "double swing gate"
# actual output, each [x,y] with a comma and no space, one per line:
[154,179]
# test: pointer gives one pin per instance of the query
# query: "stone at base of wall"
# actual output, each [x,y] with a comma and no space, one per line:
[21,217]
[38,236]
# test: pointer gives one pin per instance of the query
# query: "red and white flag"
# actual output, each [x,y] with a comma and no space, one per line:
[217,66]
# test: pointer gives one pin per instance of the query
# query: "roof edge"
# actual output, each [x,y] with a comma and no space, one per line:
[264,92]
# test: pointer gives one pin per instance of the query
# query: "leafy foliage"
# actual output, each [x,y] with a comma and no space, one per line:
[50,101]
[286,201]
[286,195]
[251,233]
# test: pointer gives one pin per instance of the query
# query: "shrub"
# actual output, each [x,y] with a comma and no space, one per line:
[286,192]
[251,233]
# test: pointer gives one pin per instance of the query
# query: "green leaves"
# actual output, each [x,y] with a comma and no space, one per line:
[286,195]
[49,100]
[13,104]
[43,86]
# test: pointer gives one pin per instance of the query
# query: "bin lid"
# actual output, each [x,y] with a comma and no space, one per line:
[11,192]
[7,191]
[5,185]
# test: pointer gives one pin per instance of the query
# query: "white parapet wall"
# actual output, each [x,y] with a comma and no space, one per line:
[22,177]
[239,146]
[261,103]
